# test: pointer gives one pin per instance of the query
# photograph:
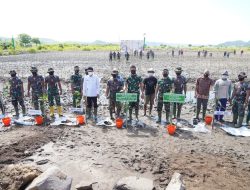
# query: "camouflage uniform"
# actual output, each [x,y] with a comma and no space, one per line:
[76,81]
[239,100]
[165,85]
[179,84]
[36,83]
[16,94]
[115,86]
[53,92]
[133,83]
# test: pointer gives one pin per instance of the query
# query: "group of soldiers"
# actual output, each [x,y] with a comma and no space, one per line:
[150,89]
[50,88]
[114,56]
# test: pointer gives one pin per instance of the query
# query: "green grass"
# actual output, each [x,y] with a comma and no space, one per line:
[106,47]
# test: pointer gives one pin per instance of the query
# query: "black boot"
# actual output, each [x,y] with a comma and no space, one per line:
[159,117]
[17,112]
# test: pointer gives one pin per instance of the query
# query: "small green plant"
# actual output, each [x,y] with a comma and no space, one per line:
[86,49]
[12,52]
[31,50]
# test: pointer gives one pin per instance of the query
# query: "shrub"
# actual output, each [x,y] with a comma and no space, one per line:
[12,52]
[86,49]
[31,50]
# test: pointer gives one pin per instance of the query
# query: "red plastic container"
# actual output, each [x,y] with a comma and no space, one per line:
[6,121]
[171,129]
[39,120]
[208,119]
[80,119]
[119,123]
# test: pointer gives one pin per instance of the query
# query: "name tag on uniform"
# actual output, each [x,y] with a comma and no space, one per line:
[34,112]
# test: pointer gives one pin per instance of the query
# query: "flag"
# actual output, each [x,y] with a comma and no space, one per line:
[13,42]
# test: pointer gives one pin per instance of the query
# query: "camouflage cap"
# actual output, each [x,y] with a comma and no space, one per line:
[242,74]
[178,69]
[34,69]
[12,72]
[50,70]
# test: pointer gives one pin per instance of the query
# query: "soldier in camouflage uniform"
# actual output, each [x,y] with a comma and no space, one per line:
[52,82]
[16,92]
[240,98]
[114,86]
[179,87]
[163,86]
[36,83]
[76,87]
[134,85]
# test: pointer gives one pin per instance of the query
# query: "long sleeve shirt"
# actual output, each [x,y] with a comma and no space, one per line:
[223,89]
[91,86]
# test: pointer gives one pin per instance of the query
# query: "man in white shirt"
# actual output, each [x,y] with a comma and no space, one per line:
[222,89]
[91,89]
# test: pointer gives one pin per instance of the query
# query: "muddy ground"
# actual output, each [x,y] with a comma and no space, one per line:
[105,154]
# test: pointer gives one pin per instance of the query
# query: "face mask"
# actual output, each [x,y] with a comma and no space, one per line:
[51,73]
[206,75]
[34,73]
[241,79]
[133,72]
[90,73]
[224,77]
[13,75]
[178,74]
[114,76]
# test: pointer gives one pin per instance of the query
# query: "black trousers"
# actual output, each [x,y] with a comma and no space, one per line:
[91,101]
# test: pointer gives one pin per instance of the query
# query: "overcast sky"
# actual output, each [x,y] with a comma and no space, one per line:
[170,21]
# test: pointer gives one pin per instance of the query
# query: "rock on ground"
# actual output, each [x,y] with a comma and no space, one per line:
[52,179]
[85,185]
[13,177]
[176,183]
[134,183]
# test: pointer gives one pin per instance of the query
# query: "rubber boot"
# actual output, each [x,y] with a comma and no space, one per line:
[23,111]
[235,118]
[179,113]
[17,112]
[88,113]
[167,118]
[174,110]
[136,114]
[198,113]
[159,117]
[95,114]
[60,111]
[130,115]
[145,109]
[2,108]
[111,114]
[51,111]
[240,121]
